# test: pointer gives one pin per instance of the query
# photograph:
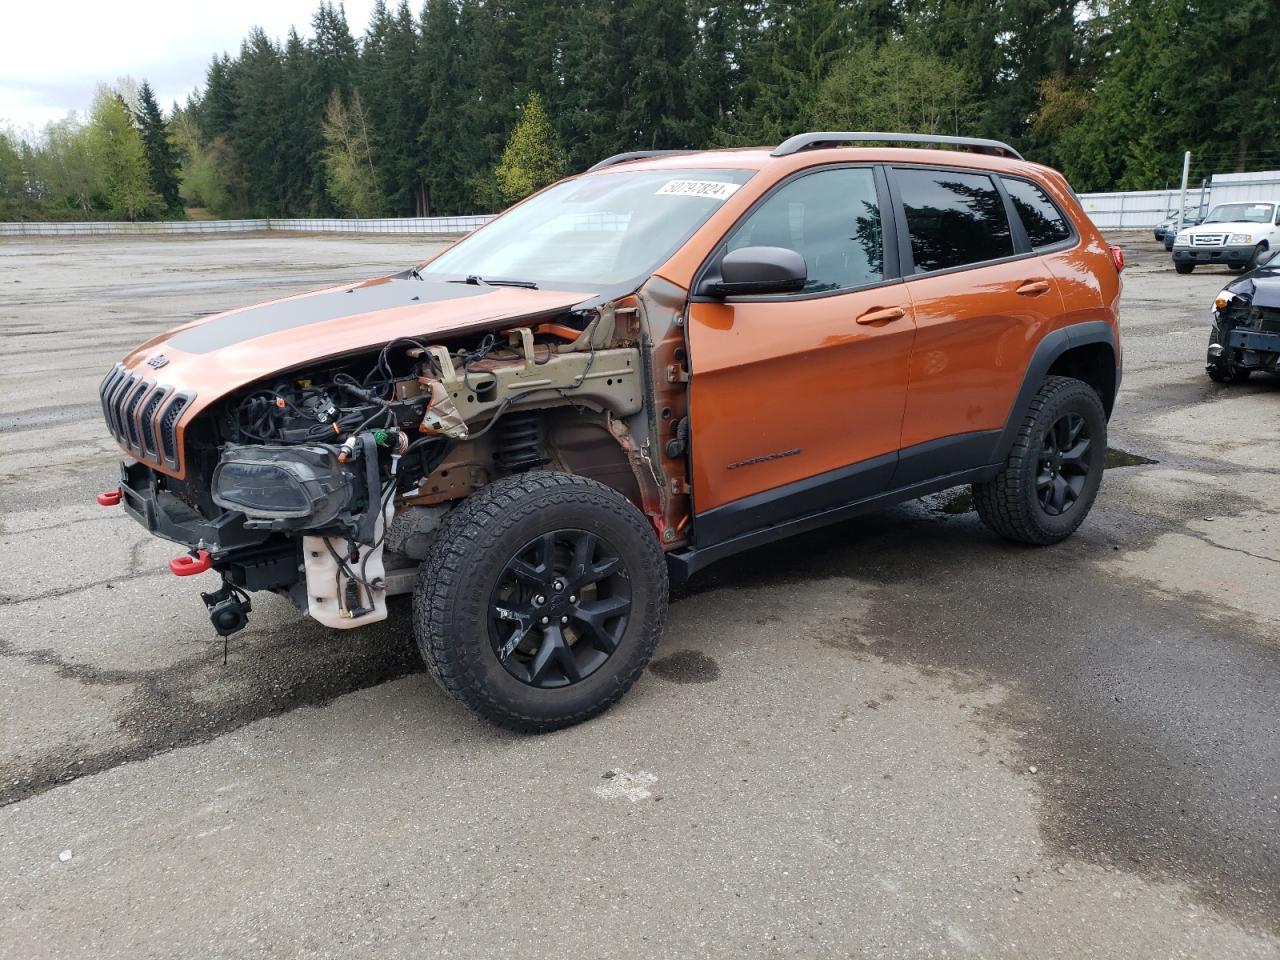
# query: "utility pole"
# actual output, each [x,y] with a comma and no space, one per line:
[1182,197]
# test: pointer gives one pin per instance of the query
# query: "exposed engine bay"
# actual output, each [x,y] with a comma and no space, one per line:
[327,484]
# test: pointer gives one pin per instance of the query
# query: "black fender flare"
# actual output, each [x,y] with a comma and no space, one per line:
[1048,350]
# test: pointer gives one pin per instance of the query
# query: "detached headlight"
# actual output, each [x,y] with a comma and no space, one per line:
[303,483]
[1223,298]
[1240,238]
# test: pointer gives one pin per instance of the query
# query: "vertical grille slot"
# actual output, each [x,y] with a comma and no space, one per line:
[169,428]
[131,400]
[146,420]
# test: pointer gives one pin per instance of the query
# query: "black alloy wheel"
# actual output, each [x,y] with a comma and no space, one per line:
[559,608]
[541,600]
[1066,453]
[1052,472]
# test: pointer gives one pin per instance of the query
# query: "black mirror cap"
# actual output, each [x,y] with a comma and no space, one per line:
[760,270]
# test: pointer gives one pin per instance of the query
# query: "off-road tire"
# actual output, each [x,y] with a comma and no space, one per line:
[451,600]
[1221,369]
[1183,267]
[1009,503]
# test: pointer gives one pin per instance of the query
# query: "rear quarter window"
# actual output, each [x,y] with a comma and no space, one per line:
[1043,221]
[954,218]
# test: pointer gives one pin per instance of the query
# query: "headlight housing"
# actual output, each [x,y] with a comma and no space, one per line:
[1240,238]
[1183,237]
[304,486]
[1221,301]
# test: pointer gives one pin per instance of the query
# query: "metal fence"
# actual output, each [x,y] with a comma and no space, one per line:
[443,226]
[1142,209]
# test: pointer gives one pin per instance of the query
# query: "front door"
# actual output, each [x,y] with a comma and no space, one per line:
[796,400]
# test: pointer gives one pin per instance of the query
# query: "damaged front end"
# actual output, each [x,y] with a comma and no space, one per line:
[1246,327]
[328,483]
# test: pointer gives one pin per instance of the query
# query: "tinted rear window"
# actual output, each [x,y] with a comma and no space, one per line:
[954,218]
[1044,222]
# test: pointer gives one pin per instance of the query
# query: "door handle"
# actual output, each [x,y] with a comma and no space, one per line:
[882,315]
[1033,288]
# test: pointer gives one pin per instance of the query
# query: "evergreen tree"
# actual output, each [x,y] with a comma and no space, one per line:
[257,134]
[162,161]
[532,158]
[393,106]
[447,157]
[300,142]
[800,42]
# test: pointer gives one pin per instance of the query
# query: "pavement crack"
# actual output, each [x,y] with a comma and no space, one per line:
[7,600]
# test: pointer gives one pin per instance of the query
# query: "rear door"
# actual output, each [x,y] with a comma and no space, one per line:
[982,300]
[797,399]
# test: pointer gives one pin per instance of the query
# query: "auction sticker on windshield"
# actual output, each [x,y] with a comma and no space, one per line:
[713,189]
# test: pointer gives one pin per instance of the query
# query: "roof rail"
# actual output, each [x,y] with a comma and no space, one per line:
[811,141]
[633,155]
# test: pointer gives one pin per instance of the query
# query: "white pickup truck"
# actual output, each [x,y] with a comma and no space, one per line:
[1237,234]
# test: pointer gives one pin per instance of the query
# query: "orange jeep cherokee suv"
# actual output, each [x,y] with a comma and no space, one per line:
[633,373]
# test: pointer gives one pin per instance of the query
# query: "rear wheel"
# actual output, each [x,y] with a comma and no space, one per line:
[1051,477]
[1183,267]
[542,600]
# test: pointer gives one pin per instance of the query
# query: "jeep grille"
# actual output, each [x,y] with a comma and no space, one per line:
[143,416]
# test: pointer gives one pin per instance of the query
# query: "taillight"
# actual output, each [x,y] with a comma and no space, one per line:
[1117,257]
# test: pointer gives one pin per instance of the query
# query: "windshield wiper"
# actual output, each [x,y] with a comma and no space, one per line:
[477,281]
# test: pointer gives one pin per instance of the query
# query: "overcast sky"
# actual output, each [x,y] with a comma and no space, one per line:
[54,54]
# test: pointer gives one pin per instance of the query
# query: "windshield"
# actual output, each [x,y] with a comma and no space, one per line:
[1241,213]
[593,232]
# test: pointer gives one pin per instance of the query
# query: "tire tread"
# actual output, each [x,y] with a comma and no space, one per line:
[1001,502]
[463,538]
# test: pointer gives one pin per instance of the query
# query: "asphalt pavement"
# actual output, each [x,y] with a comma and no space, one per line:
[899,737]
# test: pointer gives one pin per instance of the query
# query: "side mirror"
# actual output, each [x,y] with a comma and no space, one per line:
[760,270]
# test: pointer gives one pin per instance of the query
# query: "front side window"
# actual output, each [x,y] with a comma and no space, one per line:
[1044,222]
[832,219]
[595,231]
[954,218]
[1240,213]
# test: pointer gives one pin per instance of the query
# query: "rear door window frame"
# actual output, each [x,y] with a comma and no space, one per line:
[1073,235]
[906,258]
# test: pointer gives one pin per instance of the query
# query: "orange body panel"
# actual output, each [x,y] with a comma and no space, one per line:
[810,390]
[974,338]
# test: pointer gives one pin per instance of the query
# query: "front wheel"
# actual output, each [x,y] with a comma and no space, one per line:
[1222,368]
[1183,267]
[1259,254]
[542,600]
[1051,477]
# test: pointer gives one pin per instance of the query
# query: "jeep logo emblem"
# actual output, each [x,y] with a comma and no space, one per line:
[158,361]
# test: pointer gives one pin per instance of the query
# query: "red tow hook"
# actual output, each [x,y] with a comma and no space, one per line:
[110,498]
[189,564]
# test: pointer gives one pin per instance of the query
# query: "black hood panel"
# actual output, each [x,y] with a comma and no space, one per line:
[267,318]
